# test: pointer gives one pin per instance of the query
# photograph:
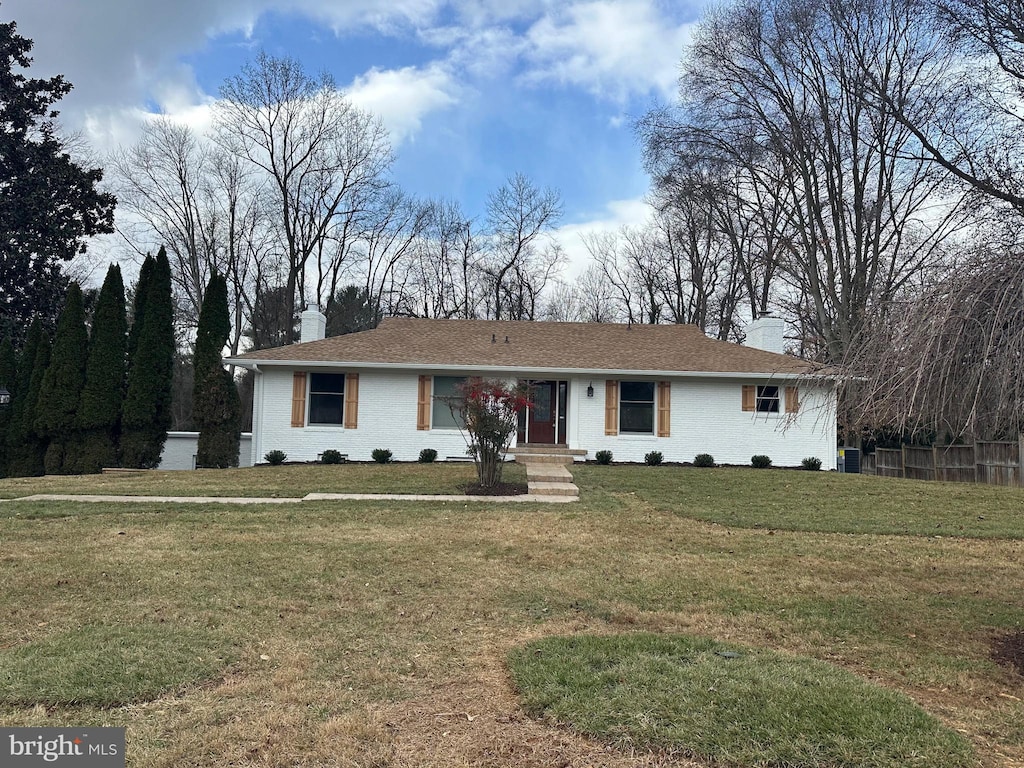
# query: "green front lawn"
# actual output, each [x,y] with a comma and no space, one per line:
[379,633]
[265,481]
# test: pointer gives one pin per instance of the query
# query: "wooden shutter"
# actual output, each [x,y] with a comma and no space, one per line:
[749,397]
[792,400]
[299,399]
[664,408]
[423,404]
[351,400]
[611,407]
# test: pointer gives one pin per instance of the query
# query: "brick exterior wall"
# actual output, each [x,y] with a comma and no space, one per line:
[706,417]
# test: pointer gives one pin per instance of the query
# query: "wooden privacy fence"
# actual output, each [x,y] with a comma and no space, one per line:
[991,462]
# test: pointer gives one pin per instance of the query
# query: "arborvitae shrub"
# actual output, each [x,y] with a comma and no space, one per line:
[703,460]
[653,459]
[427,456]
[381,455]
[146,416]
[99,408]
[760,461]
[57,408]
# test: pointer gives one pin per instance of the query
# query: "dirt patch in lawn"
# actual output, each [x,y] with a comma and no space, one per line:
[498,489]
[477,721]
[1008,650]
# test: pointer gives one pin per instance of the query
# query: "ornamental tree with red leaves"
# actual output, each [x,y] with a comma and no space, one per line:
[489,410]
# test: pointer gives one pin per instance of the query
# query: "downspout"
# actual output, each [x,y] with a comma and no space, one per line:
[257,414]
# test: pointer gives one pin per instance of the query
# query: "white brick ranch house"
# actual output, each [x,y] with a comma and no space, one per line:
[630,389]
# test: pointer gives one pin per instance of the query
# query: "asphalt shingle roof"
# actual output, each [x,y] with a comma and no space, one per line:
[422,343]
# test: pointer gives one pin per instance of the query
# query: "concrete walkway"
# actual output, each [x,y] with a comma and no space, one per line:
[523,498]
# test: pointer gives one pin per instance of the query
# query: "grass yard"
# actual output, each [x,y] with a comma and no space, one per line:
[372,634]
[267,481]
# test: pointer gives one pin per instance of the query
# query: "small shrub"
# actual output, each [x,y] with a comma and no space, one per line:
[427,456]
[703,460]
[760,461]
[654,458]
[381,455]
[811,463]
[331,456]
[603,457]
[275,457]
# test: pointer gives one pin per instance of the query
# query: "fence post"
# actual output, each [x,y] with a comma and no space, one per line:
[903,461]
[1020,459]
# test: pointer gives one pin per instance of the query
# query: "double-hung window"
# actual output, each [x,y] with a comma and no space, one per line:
[767,399]
[326,398]
[636,407]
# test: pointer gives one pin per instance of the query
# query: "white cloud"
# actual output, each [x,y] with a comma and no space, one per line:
[616,214]
[403,97]
[611,48]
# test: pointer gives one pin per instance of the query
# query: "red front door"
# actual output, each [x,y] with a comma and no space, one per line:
[541,417]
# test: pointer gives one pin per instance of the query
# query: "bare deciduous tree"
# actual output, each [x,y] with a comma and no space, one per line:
[324,158]
[520,255]
[947,366]
[776,89]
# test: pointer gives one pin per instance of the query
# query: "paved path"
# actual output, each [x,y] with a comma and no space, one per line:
[526,497]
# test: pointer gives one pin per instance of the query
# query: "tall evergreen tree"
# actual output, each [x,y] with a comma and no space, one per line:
[146,415]
[26,447]
[8,381]
[99,409]
[216,410]
[142,287]
[57,408]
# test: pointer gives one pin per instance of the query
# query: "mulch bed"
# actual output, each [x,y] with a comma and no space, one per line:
[1008,649]
[499,489]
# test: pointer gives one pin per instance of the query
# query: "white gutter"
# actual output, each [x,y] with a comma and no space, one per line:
[519,370]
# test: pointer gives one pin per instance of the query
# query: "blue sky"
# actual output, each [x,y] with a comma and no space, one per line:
[471,92]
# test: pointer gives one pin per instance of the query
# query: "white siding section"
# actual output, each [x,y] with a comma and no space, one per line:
[387,419]
[707,417]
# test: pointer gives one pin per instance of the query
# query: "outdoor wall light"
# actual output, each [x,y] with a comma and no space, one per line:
[5,397]
[590,390]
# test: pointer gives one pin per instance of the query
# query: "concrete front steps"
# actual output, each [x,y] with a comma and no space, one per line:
[547,454]
[547,472]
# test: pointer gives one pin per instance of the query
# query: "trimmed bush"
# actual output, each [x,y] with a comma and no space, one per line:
[275,457]
[603,457]
[427,456]
[381,455]
[811,463]
[760,461]
[331,456]
[703,460]
[654,458]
